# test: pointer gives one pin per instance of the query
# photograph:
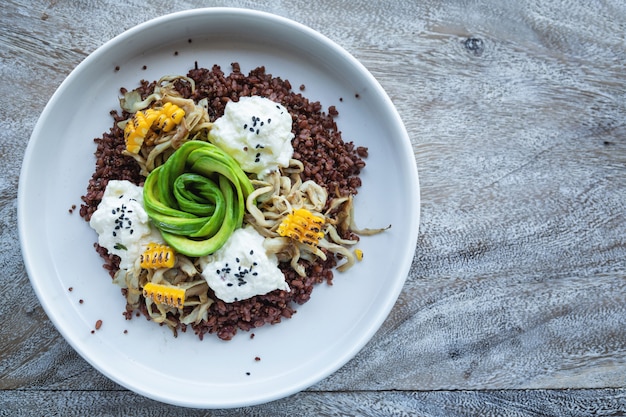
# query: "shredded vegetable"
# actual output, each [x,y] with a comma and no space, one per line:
[162,122]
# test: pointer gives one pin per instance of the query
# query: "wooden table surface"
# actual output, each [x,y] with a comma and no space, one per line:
[516,300]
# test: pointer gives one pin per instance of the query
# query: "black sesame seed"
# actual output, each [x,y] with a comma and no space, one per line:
[261,123]
[217,272]
[257,131]
[230,284]
[113,211]
[251,252]
[251,129]
[114,234]
[245,126]
[237,259]
[255,273]
[269,121]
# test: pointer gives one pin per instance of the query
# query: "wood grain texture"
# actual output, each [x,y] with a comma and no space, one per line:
[538,403]
[516,300]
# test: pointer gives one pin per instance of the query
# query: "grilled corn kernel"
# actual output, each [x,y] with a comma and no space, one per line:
[359,254]
[136,130]
[164,294]
[165,119]
[169,116]
[157,256]
[303,226]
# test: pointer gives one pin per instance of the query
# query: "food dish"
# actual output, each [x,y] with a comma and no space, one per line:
[57,245]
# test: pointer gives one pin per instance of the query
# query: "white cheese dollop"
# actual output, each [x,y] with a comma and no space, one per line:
[242,268]
[256,132]
[121,222]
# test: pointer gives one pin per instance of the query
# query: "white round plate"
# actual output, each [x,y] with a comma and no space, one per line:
[58,247]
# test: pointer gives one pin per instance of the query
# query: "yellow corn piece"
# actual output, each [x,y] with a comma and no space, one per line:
[359,254]
[303,226]
[164,294]
[169,116]
[165,119]
[137,128]
[157,256]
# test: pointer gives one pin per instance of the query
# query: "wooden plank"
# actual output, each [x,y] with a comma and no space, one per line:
[577,403]
[518,288]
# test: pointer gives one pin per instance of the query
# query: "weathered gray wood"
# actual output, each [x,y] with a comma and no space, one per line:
[517,292]
[604,402]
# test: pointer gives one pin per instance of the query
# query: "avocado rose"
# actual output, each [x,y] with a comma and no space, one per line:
[197,198]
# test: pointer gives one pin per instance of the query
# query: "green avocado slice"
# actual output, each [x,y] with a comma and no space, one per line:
[197,198]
